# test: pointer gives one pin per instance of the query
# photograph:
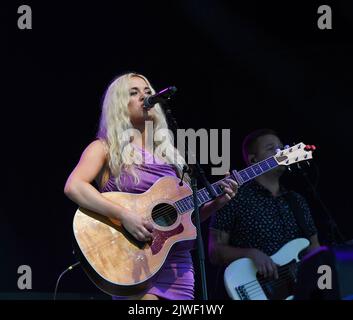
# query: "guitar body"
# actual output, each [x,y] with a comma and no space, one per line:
[242,281]
[115,261]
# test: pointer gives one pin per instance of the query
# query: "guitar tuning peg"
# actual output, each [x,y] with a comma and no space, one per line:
[308,163]
[289,169]
[286,146]
[298,166]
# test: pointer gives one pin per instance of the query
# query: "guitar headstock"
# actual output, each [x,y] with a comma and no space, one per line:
[294,154]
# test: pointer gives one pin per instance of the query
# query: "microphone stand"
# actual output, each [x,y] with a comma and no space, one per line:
[334,232]
[195,172]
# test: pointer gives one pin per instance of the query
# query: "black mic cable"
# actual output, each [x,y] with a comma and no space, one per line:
[57,282]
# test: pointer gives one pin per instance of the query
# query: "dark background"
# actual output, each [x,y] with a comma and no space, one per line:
[237,66]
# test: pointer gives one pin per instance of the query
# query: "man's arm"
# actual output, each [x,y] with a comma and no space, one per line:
[222,254]
[314,242]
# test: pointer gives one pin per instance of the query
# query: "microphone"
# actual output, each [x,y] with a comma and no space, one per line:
[161,96]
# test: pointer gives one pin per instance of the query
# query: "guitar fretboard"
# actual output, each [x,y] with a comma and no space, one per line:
[241,177]
[255,170]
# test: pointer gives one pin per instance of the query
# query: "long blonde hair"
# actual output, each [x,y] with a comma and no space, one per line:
[115,125]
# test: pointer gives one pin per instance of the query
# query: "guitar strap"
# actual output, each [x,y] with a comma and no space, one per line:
[298,213]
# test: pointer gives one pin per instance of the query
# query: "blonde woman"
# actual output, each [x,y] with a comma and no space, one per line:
[121,159]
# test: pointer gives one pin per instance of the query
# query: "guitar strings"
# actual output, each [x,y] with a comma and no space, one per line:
[163,212]
[256,289]
[274,283]
[281,272]
[265,281]
[285,274]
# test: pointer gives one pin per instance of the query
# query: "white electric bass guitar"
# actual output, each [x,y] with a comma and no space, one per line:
[243,282]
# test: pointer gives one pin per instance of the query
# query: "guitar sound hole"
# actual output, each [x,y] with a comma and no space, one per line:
[164,214]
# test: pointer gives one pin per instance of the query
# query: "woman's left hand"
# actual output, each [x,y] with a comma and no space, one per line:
[230,188]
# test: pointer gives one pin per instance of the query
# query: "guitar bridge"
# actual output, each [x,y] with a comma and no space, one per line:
[242,293]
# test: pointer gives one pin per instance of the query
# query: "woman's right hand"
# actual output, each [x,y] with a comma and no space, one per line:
[263,263]
[139,227]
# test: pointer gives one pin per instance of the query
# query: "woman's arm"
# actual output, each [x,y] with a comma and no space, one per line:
[230,188]
[79,189]
[78,186]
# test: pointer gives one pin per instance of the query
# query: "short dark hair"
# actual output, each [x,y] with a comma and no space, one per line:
[250,140]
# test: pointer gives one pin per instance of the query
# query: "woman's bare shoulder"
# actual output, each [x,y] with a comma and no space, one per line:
[97,146]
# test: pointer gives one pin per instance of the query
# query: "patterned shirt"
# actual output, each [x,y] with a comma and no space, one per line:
[254,218]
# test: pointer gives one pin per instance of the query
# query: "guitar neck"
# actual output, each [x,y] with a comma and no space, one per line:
[254,170]
[241,177]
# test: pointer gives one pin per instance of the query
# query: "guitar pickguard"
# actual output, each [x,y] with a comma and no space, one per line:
[159,237]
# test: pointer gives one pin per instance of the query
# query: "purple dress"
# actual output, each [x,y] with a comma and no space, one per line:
[175,280]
